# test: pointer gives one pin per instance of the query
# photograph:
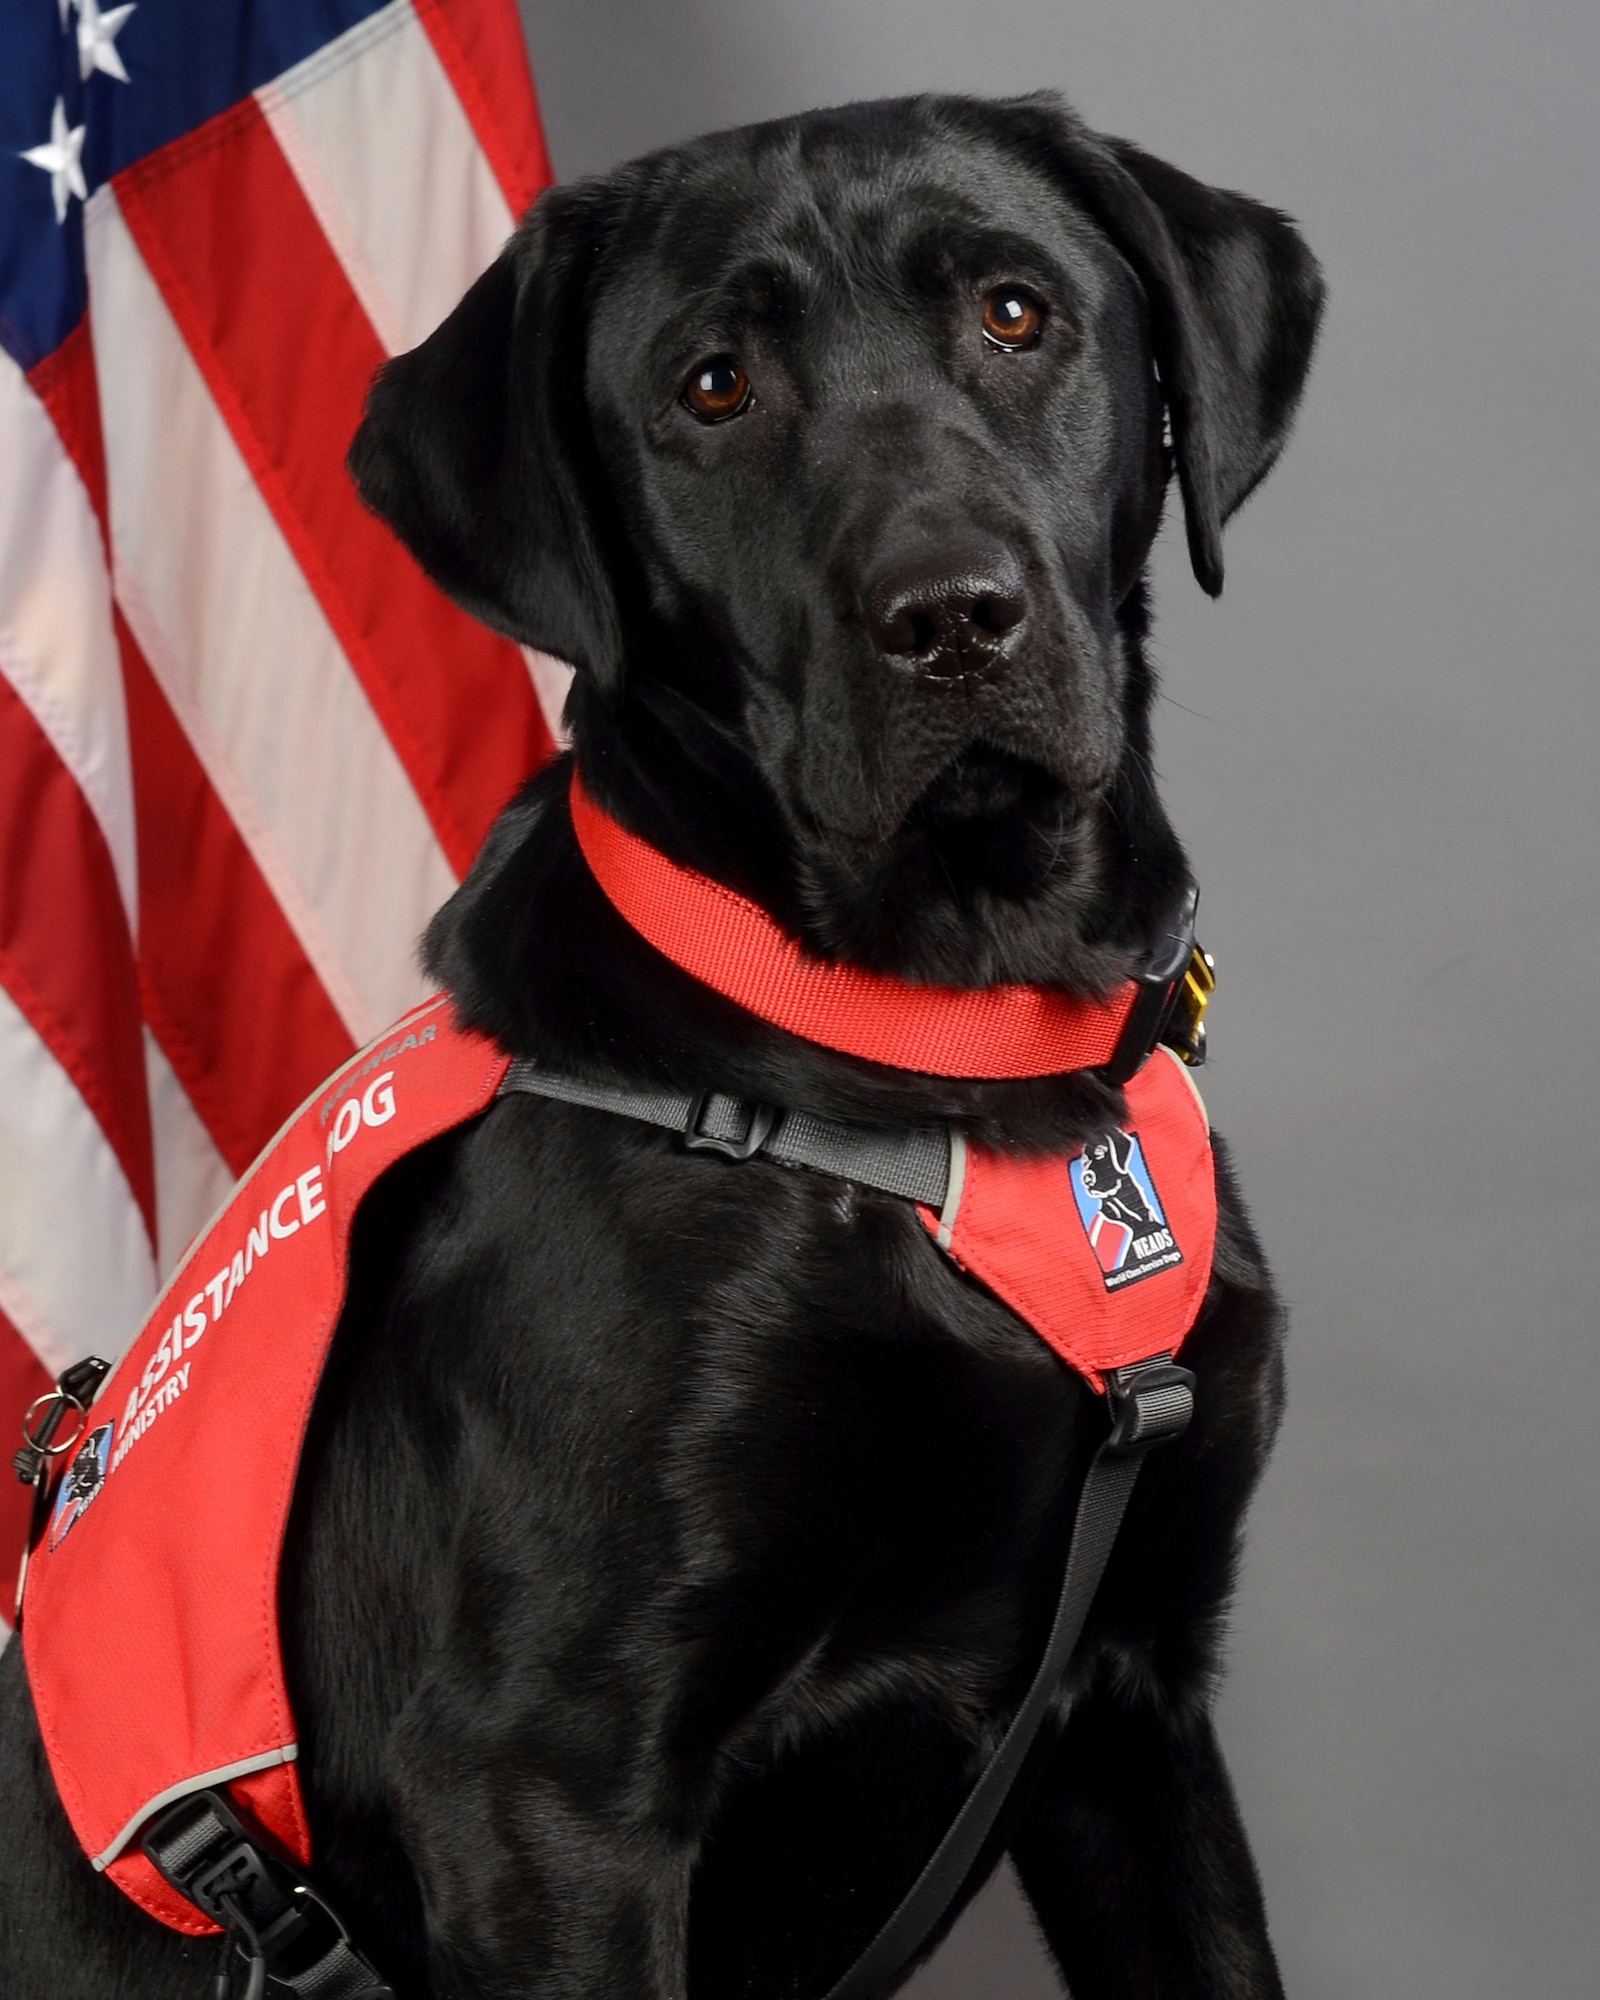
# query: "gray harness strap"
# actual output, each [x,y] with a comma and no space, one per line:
[913,1162]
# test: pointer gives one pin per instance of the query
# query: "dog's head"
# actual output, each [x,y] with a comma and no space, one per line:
[1107,1167]
[830,452]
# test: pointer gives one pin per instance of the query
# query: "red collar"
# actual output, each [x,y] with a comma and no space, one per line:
[731,945]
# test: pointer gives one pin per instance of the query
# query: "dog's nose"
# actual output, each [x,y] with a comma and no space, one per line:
[948,614]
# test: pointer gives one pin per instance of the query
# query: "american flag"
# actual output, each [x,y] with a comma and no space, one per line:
[246,749]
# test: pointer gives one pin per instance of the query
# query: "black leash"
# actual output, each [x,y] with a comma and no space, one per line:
[1151,1402]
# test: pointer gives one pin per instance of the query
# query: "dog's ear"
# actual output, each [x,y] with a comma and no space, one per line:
[1235,297]
[475,447]
[1121,1156]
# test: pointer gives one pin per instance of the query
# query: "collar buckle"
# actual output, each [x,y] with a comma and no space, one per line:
[1174,990]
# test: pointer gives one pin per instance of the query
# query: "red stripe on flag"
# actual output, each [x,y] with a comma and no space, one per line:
[241,1016]
[482,52]
[66,957]
[64,382]
[22,1377]
[227,990]
[287,352]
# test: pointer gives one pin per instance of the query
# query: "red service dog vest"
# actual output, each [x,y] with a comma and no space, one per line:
[151,1628]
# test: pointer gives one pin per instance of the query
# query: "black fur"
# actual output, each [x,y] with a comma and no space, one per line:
[675,1537]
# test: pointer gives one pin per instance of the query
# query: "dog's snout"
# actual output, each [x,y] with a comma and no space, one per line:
[948,614]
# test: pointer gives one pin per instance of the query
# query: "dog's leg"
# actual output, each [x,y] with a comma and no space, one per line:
[568,1885]
[582,1910]
[1135,1860]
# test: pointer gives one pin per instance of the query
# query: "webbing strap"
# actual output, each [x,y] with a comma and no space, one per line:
[733,946]
[913,1162]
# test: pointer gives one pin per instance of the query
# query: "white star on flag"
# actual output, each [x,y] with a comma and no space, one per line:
[97,39]
[61,160]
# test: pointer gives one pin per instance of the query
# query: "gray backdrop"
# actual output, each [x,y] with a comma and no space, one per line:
[1381,747]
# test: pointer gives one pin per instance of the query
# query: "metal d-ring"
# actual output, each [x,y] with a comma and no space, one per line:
[41,1444]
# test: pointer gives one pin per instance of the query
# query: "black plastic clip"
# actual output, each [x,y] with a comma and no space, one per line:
[272,1917]
[238,1892]
[762,1119]
[1162,990]
[1151,1403]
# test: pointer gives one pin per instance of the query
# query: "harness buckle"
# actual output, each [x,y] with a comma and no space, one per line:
[241,1871]
[1151,1403]
[762,1119]
[270,1914]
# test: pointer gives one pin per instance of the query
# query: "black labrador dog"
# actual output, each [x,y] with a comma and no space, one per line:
[677,1536]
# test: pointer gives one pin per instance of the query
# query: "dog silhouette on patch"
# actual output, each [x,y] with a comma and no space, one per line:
[1107,1175]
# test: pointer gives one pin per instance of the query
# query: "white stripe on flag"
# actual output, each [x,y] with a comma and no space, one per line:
[551,679]
[192,1178]
[76,1274]
[245,655]
[393,171]
[333,219]
[57,646]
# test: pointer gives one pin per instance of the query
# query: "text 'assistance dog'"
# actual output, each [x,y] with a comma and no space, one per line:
[704,1563]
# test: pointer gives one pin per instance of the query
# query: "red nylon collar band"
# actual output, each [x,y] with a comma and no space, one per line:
[731,945]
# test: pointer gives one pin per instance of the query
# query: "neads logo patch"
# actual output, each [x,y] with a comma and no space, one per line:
[1120,1209]
[83,1479]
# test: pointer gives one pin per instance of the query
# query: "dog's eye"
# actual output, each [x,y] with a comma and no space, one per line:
[717,389]
[1012,318]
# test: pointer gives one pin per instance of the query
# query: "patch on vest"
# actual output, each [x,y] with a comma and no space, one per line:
[1120,1210]
[84,1478]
